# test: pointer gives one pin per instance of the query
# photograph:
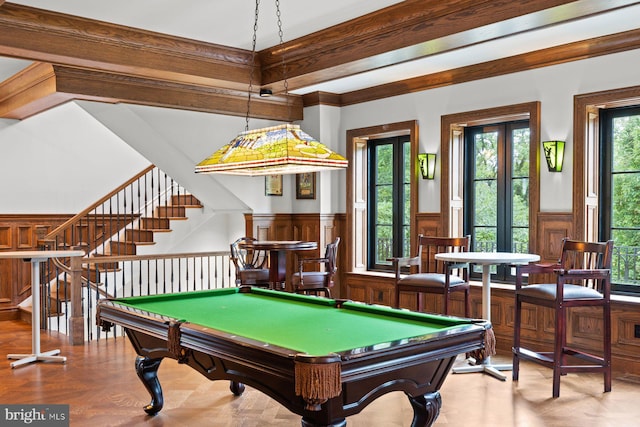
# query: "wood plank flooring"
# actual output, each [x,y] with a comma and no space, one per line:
[99,383]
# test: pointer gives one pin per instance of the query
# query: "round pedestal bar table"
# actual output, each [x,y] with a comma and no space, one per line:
[36,257]
[278,256]
[487,259]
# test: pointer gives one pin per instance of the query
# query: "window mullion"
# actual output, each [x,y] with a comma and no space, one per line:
[397,197]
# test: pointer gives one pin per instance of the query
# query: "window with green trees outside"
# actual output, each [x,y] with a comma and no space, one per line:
[389,200]
[496,192]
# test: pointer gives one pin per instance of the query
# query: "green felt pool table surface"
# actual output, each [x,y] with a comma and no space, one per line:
[301,323]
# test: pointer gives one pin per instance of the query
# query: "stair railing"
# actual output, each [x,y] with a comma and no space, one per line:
[101,228]
[107,230]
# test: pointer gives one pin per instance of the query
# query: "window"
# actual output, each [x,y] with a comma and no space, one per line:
[496,196]
[620,193]
[358,193]
[389,200]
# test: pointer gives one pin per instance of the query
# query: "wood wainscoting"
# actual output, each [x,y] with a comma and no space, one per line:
[585,325]
[20,233]
[378,288]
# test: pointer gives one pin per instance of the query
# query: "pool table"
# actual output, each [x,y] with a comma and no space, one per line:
[321,358]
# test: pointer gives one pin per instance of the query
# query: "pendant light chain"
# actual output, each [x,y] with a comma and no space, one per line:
[253,64]
[284,64]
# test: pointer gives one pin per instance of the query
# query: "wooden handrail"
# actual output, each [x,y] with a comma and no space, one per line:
[116,258]
[76,218]
[62,266]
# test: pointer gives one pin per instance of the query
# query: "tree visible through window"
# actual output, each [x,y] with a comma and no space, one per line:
[497,189]
[389,201]
[620,193]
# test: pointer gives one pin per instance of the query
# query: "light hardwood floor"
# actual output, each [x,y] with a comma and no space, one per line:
[100,385]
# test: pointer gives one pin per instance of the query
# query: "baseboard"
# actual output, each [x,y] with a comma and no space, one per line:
[10,314]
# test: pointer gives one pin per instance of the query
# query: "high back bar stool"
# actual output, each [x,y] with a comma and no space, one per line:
[434,276]
[583,279]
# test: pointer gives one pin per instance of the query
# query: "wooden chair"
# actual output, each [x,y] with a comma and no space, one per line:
[317,282]
[433,276]
[583,279]
[251,266]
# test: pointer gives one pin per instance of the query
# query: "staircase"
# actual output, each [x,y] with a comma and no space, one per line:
[160,222]
[116,225]
[143,233]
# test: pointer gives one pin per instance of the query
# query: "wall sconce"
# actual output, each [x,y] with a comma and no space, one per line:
[427,165]
[554,153]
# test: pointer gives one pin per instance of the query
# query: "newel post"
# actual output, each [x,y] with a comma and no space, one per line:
[76,321]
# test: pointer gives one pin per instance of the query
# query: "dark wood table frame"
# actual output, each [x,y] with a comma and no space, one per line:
[278,256]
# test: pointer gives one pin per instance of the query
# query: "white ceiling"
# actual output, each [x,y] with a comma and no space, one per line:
[230,23]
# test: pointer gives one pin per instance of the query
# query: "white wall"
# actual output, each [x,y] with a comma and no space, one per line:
[205,230]
[176,141]
[323,123]
[61,161]
[553,86]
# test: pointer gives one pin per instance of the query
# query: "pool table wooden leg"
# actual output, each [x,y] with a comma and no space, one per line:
[236,388]
[147,370]
[426,409]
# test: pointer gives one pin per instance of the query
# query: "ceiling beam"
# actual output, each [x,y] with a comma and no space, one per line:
[45,36]
[584,49]
[29,92]
[112,63]
[88,84]
[407,30]
[412,30]
[42,86]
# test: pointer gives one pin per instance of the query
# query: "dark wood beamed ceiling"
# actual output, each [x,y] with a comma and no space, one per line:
[79,58]
[112,63]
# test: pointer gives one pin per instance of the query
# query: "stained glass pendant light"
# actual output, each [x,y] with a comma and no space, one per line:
[283,149]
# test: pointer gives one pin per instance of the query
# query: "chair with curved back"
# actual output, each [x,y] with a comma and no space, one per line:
[317,282]
[434,276]
[583,279]
[251,266]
